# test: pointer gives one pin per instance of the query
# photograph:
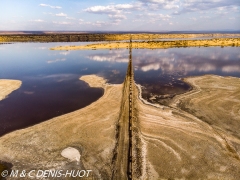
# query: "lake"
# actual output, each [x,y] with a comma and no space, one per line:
[51,85]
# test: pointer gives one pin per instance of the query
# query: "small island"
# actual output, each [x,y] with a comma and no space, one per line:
[222,42]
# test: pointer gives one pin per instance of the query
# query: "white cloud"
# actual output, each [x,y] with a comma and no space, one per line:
[61,15]
[159,16]
[116,13]
[43,5]
[62,23]
[53,7]
[96,23]
[86,23]
[102,10]
[161,4]
[124,6]
[193,18]
[102,23]
[70,18]
[205,17]
[220,6]
[153,17]
[117,16]
[99,23]
[111,9]
[138,20]
[37,20]
[48,13]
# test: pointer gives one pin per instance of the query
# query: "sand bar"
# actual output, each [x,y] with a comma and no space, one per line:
[94,81]
[7,86]
[156,44]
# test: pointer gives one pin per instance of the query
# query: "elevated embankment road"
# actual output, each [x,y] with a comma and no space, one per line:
[122,160]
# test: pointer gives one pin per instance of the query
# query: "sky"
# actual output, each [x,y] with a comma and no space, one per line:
[119,15]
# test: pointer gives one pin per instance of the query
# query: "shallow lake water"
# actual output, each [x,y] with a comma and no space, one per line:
[51,85]
[160,71]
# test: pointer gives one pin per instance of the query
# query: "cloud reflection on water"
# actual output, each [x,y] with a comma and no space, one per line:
[120,56]
[65,53]
[185,61]
[158,70]
[188,61]
[56,60]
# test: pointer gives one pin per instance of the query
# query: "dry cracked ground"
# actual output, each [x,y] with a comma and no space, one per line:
[195,137]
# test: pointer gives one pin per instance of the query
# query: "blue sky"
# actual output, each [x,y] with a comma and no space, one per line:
[116,15]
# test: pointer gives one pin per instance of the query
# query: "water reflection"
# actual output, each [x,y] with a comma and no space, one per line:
[56,60]
[189,61]
[65,53]
[120,56]
[44,97]
[51,84]
[159,71]
[180,61]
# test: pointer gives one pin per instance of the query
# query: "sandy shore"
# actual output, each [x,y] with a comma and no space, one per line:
[7,86]
[94,81]
[90,130]
[156,44]
[215,100]
[168,142]
[179,144]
